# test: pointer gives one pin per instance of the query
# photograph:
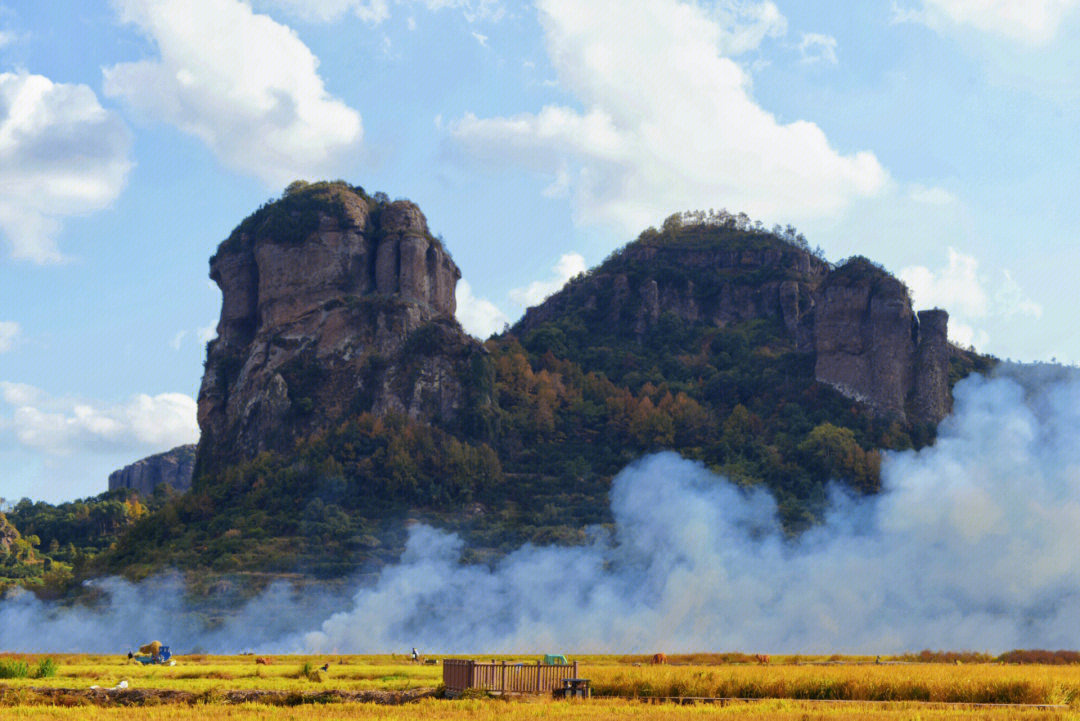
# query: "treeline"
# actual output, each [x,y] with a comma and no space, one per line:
[336,501]
[50,546]
[1018,656]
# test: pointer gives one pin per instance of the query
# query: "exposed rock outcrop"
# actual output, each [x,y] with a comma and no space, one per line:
[871,346]
[8,535]
[173,467]
[333,302]
[856,319]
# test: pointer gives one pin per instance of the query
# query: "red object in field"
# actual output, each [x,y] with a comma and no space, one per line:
[659,658]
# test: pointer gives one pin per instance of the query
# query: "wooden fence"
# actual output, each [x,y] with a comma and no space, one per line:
[459,675]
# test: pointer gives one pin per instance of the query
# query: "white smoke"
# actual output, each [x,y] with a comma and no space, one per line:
[971,545]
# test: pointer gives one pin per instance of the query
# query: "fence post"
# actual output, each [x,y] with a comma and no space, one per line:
[575,669]
[502,683]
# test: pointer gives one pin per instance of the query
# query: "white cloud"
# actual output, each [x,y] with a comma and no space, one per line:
[178,339]
[956,287]
[961,289]
[324,11]
[569,265]
[1011,300]
[817,48]
[206,333]
[667,123]
[6,38]
[743,25]
[1032,22]
[62,426]
[9,333]
[480,38]
[473,10]
[375,12]
[478,316]
[242,83]
[19,394]
[934,195]
[965,336]
[61,154]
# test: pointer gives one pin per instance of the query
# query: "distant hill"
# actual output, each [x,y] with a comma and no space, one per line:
[173,468]
[342,400]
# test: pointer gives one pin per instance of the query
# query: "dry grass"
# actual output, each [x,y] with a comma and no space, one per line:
[773,710]
[803,688]
[969,683]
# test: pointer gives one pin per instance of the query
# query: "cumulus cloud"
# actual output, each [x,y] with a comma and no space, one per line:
[667,122]
[1032,22]
[61,154]
[245,85]
[478,316]
[481,317]
[957,286]
[818,48]
[569,265]
[960,288]
[9,333]
[63,426]
[743,26]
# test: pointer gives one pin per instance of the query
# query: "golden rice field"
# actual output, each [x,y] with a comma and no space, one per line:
[783,689]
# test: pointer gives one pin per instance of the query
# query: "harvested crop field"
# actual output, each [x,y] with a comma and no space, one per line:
[391,687]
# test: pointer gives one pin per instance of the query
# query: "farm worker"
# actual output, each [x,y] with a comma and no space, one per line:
[415,655]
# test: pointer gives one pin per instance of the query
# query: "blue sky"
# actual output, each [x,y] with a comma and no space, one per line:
[938,137]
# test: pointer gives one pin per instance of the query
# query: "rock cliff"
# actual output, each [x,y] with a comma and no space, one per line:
[332,302]
[172,467]
[8,535]
[855,320]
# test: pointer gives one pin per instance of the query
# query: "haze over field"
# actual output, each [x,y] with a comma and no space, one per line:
[970,546]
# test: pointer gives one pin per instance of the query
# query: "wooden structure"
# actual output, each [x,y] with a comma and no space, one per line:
[459,675]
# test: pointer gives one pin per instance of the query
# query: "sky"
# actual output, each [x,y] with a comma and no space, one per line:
[940,138]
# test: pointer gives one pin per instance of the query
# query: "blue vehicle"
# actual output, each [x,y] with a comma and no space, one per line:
[153,656]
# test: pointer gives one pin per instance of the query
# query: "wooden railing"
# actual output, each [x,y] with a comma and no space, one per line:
[459,675]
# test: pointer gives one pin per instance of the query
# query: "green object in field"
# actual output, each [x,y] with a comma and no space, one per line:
[555,660]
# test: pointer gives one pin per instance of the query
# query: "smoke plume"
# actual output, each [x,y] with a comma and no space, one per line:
[971,545]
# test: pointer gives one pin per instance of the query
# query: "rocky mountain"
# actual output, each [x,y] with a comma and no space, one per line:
[854,319]
[342,401]
[333,302]
[173,467]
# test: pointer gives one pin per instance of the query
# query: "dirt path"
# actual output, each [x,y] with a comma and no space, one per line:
[159,696]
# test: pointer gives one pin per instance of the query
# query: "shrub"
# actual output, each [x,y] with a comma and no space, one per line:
[46,668]
[11,668]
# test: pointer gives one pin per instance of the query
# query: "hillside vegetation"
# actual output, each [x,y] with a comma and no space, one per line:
[554,408]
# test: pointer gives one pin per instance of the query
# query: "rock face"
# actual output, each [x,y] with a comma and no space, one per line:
[174,467]
[871,346]
[8,535]
[855,319]
[332,302]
